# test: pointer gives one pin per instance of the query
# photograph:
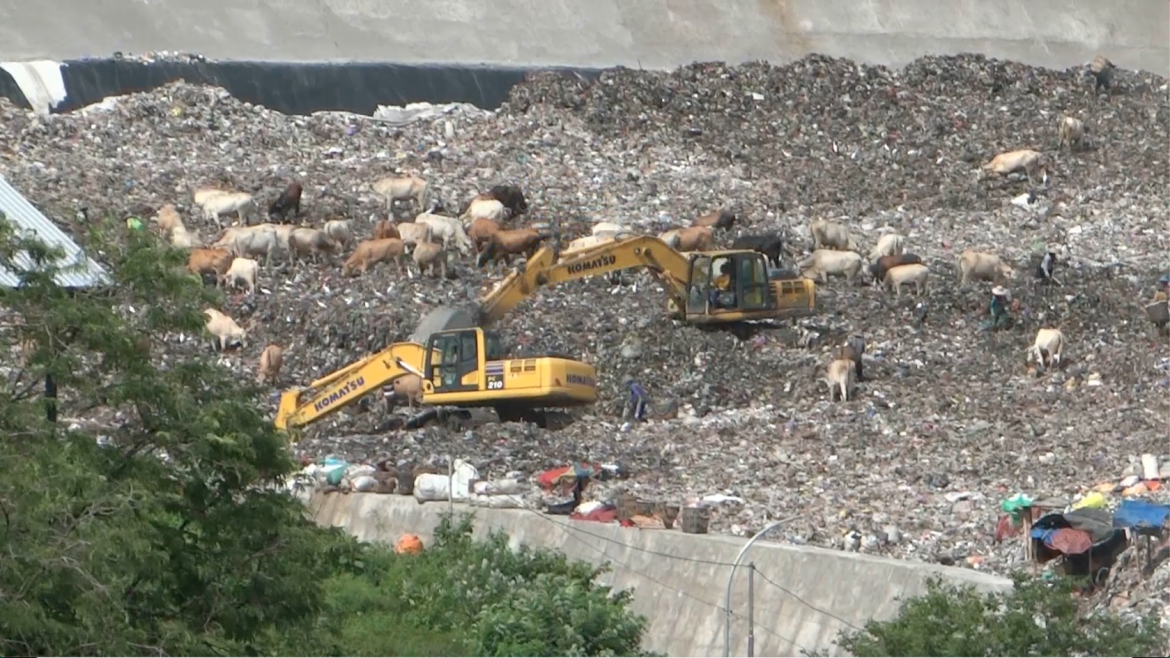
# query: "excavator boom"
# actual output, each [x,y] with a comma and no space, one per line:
[332,392]
[543,268]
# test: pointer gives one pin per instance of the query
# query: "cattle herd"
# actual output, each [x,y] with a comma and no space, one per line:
[432,239]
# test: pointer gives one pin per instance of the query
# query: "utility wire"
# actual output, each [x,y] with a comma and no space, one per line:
[803,602]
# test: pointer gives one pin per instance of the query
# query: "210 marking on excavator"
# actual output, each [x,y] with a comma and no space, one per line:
[600,261]
[349,387]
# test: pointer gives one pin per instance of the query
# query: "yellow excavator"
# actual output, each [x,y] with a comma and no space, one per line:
[463,367]
[710,289]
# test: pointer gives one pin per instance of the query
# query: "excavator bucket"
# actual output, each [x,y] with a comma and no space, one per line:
[442,319]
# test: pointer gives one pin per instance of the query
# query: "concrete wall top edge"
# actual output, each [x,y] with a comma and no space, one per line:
[652,34]
[679,580]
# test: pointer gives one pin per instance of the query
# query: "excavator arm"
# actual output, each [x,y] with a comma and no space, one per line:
[544,268]
[299,406]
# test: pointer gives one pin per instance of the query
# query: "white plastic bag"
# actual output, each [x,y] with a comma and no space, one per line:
[364,483]
[503,501]
[354,471]
[432,486]
[497,487]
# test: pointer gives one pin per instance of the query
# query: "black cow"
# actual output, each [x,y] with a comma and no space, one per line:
[511,196]
[288,201]
[769,244]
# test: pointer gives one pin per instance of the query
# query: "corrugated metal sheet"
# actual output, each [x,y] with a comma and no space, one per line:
[22,213]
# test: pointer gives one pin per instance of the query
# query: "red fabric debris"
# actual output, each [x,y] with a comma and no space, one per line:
[1005,528]
[1070,541]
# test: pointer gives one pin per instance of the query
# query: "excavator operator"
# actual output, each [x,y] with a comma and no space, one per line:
[723,295]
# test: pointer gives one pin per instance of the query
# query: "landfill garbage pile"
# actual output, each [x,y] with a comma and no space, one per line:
[950,419]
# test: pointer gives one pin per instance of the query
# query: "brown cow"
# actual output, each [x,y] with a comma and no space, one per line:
[270,361]
[212,262]
[371,252]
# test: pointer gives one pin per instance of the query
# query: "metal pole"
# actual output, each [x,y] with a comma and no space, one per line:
[751,609]
[731,578]
[450,486]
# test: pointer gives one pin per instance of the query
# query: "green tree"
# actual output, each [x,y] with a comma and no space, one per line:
[169,537]
[1037,618]
[463,596]
[165,529]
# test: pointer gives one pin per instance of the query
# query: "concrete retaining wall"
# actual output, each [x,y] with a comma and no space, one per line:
[680,580]
[593,33]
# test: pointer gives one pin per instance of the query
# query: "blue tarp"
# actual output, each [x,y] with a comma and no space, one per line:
[1140,514]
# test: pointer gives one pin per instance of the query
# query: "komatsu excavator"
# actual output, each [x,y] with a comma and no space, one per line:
[463,367]
[723,289]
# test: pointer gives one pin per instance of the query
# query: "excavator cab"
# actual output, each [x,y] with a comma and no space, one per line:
[731,283]
[453,359]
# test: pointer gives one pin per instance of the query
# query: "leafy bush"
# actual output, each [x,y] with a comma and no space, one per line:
[1037,618]
[173,535]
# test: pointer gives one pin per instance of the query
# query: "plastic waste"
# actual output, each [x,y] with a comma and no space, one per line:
[333,469]
[499,501]
[364,483]
[497,487]
[1015,505]
[1094,500]
[457,486]
[409,544]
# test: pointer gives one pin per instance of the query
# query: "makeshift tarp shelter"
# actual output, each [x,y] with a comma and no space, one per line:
[1085,538]
[1088,540]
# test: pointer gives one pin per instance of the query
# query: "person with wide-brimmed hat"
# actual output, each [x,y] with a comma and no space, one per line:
[1000,298]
